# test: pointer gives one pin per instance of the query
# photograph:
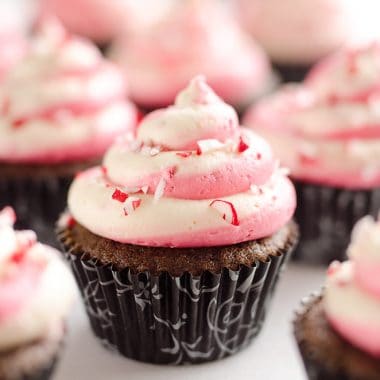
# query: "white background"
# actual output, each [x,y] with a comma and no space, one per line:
[272,356]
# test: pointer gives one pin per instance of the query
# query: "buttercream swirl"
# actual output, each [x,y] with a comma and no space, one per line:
[61,102]
[327,130]
[191,178]
[36,289]
[165,56]
[352,295]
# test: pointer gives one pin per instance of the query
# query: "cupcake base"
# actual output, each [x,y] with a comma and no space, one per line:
[176,306]
[38,193]
[326,355]
[35,361]
[326,216]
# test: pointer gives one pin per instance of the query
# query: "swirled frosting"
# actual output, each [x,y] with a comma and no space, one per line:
[61,102]
[160,60]
[36,288]
[191,178]
[327,130]
[12,48]
[352,295]
[301,32]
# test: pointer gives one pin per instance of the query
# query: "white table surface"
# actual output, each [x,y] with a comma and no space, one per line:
[272,356]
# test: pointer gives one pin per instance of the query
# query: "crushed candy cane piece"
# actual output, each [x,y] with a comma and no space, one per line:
[131,205]
[119,195]
[227,210]
[160,189]
[209,145]
[243,146]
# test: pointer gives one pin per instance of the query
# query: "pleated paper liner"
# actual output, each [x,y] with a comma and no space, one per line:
[326,216]
[168,319]
[37,202]
[335,358]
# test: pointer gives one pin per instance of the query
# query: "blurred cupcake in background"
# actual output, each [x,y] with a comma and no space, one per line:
[103,20]
[36,292]
[196,37]
[338,332]
[327,131]
[15,21]
[297,33]
[62,105]
[178,240]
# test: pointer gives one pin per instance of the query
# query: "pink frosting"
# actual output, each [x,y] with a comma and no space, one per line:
[360,334]
[327,130]
[62,101]
[229,179]
[99,20]
[19,273]
[161,60]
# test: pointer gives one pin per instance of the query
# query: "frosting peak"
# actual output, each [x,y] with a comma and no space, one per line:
[192,177]
[352,296]
[31,277]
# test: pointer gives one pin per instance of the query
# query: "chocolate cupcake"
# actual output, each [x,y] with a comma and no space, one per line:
[327,132]
[178,240]
[338,332]
[195,37]
[36,291]
[62,105]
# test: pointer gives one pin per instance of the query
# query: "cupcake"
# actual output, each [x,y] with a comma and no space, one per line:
[297,33]
[178,240]
[103,20]
[195,37]
[327,132]
[338,332]
[61,107]
[36,292]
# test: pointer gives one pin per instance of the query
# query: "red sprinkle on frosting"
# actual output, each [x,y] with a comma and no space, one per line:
[120,196]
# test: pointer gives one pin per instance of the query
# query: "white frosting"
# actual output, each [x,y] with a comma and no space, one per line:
[365,242]
[344,299]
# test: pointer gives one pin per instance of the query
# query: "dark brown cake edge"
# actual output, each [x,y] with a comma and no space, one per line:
[79,241]
[325,354]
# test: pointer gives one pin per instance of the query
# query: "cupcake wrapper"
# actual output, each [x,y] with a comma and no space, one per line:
[37,202]
[326,217]
[167,319]
[291,73]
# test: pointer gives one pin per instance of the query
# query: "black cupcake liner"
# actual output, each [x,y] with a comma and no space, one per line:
[292,73]
[38,203]
[326,216]
[166,319]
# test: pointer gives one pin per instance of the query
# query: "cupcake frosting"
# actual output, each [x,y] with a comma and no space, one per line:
[191,178]
[352,295]
[160,60]
[36,289]
[300,32]
[327,130]
[61,102]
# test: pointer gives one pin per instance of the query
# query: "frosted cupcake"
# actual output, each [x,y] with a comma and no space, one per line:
[297,33]
[61,106]
[36,292]
[327,132]
[197,37]
[103,20]
[178,239]
[339,332]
